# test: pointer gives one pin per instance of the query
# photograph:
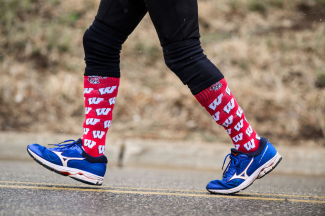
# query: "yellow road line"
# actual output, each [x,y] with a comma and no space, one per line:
[54,184]
[159,193]
[157,189]
[284,195]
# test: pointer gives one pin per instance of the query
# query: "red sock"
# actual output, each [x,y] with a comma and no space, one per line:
[221,104]
[99,95]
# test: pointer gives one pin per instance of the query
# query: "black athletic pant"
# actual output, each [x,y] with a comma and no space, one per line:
[174,20]
[176,23]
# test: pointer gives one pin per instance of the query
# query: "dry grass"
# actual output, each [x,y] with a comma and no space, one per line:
[271,52]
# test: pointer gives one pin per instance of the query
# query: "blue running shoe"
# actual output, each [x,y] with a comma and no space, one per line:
[69,159]
[244,168]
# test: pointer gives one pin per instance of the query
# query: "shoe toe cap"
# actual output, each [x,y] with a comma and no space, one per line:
[216,185]
[43,153]
[36,149]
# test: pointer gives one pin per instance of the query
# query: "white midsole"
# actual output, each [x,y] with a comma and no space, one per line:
[73,172]
[251,178]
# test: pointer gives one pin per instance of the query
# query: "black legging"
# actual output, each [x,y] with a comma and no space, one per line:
[174,20]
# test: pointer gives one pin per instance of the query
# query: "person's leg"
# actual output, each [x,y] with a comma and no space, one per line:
[102,44]
[176,22]
[84,159]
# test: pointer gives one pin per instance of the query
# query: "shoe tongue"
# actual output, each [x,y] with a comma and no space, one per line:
[238,153]
[79,141]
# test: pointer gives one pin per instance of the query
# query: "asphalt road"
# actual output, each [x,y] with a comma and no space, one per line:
[27,188]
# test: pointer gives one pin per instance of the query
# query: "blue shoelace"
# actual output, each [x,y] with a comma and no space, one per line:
[65,146]
[234,161]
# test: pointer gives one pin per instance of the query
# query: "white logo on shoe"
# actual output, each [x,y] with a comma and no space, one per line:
[242,175]
[65,159]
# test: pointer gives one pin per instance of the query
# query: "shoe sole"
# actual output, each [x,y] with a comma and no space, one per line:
[76,174]
[258,174]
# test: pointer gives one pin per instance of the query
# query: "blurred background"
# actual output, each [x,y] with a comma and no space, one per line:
[272,53]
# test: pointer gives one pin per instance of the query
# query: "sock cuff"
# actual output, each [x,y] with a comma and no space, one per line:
[102,80]
[205,95]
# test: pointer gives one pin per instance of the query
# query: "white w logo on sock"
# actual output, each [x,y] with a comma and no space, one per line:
[92,121]
[107,124]
[95,100]
[87,110]
[112,101]
[228,90]
[239,125]
[229,106]
[101,149]
[87,90]
[228,121]
[86,130]
[89,143]
[238,137]
[250,145]
[239,112]
[249,131]
[107,90]
[216,116]
[98,134]
[216,102]
[103,111]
